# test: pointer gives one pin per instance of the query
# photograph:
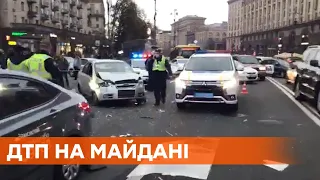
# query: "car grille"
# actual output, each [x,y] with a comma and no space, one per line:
[216,90]
[127,81]
[126,93]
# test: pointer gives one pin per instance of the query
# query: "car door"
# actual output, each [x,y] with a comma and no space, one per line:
[86,78]
[313,75]
[269,66]
[26,107]
[306,72]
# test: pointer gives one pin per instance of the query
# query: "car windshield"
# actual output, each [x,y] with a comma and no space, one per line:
[182,61]
[113,67]
[138,64]
[248,60]
[209,64]
[186,53]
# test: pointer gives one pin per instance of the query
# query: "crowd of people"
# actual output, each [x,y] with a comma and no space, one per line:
[55,68]
[42,64]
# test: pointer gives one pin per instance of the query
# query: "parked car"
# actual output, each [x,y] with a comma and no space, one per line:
[105,80]
[307,81]
[32,104]
[252,61]
[278,67]
[246,74]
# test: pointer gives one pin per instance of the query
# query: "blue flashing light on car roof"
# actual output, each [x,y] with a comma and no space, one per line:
[140,56]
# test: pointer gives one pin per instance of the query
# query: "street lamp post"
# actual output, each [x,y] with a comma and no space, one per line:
[175,14]
[155,20]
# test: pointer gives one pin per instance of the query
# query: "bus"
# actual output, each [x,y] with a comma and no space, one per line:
[184,51]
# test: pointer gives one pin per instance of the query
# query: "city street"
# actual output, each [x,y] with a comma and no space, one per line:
[265,111]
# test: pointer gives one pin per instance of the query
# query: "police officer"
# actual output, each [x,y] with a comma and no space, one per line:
[17,57]
[42,65]
[158,67]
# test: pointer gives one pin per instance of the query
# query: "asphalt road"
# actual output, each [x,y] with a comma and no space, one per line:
[265,111]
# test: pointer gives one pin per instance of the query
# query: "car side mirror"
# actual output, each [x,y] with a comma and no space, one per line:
[314,63]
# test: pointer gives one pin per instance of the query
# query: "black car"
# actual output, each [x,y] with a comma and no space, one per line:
[307,82]
[280,66]
[33,107]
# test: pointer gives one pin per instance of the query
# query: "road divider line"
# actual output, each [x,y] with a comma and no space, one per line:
[312,116]
[307,105]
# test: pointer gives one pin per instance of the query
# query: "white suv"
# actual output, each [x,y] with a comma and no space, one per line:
[208,78]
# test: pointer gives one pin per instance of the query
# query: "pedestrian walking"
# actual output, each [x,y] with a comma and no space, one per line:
[76,64]
[63,66]
[158,67]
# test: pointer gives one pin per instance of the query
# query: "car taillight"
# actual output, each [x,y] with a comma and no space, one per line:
[84,106]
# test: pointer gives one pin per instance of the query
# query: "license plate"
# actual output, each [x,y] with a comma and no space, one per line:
[204,95]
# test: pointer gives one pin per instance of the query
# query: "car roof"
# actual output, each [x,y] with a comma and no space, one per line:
[19,73]
[106,60]
[212,55]
[90,59]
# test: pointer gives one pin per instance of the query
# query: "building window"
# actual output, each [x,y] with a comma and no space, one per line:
[36,8]
[97,25]
[22,19]
[97,19]
[14,18]
[22,6]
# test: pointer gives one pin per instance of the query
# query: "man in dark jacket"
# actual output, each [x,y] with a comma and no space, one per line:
[63,66]
[2,60]
[159,67]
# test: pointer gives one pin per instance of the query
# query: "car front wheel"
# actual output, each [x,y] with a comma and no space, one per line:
[297,93]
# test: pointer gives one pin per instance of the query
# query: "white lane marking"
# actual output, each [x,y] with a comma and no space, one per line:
[292,93]
[193,171]
[275,165]
[315,119]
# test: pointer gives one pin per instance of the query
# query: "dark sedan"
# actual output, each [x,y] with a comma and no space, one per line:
[33,107]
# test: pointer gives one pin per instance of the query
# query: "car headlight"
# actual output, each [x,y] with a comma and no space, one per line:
[262,68]
[181,83]
[106,83]
[230,83]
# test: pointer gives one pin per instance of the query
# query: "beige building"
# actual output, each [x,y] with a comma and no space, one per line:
[66,20]
[258,24]
[164,41]
[181,29]
[212,36]
[191,29]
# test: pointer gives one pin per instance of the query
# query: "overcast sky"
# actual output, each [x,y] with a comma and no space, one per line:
[214,10]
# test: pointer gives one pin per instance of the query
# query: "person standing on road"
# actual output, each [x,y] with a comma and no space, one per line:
[76,64]
[17,58]
[158,67]
[63,66]
[149,85]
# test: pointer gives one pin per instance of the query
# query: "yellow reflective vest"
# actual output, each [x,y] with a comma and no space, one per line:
[36,66]
[17,67]
[159,65]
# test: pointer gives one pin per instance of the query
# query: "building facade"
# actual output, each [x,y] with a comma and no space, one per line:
[191,29]
[212,36]
[55,25]
[272,26]
[185,27]
[164,41]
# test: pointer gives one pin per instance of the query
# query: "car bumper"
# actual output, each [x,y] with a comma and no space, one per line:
[220,95]
[262,74]
[214,100]
[112,93]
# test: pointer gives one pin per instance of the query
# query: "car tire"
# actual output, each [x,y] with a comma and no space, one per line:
[233,107]
[297,94]
[262,78]
[95,100]
[282,74]
[59,172]
[141,101]
[181,106]
[318,101]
